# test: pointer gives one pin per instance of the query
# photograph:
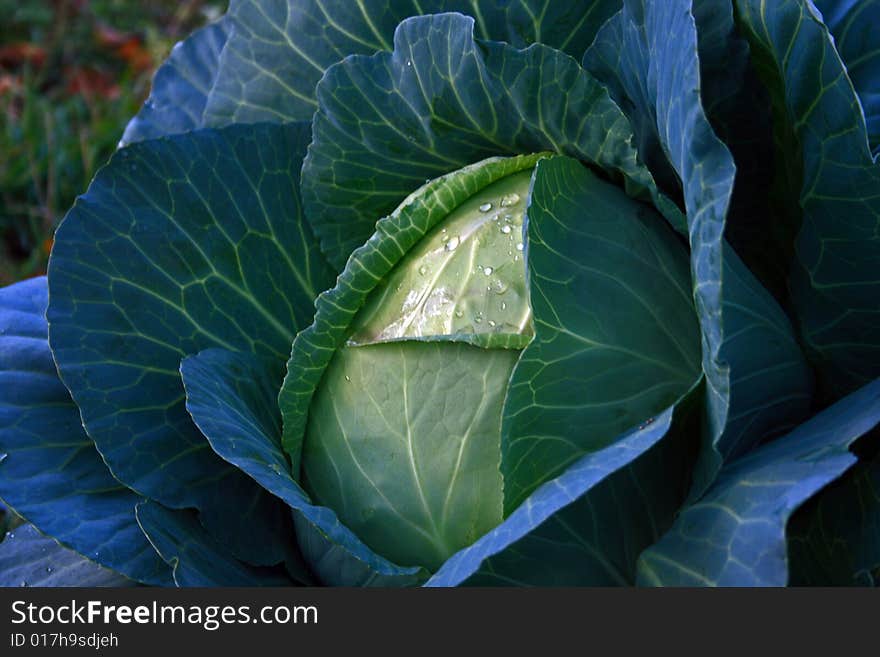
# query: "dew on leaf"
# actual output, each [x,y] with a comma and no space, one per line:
[509,199]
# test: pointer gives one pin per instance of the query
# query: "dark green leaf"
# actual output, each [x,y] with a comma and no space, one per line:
[834,282]
[232,399]
[834,539]
[853,24]
[758,226]
[180,87]
[757,380]
[439,102]
[27,558]
[50,471]
[735,535]
[180,244]
[619,58]
[279,49]
[195,557]
[616,334]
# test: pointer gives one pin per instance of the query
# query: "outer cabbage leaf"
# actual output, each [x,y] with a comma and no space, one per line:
[50,472]
[834,283]
[757,380]
[853,24]
[616,334]
[758,227]
[302,38]
[835,537]
[443,100]
[622,57]
[181,244]
[195,557]
[232,398]
[27,558]
[180,86]
[735,535]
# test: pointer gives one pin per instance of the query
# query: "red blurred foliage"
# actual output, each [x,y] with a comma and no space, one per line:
[90,82]
[13,55]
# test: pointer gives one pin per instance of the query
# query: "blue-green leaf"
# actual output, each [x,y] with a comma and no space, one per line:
[618,57]
[587,526]
[735,535]
[443,100]
[232,398]
[180,87]
[50,471]
[616,333]
[853,24]
[302,38]
[759,228]
[195,557]
[834,282]
[27,558]
[180,244]
[757,380]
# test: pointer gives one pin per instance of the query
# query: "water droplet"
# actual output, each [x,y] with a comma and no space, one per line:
[488,271]
[509,199]
[444,239]
[503,305]
[10,535]
[48,569]
[485,207]
[478,318]
[442,230]
[347,378]
[508,217]
[409,62]
[459,313]
[452,243]
[516,258]
[423,270]
[491,323]
[506,229]
[519,247]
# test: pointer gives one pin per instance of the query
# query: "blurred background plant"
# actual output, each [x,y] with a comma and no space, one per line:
[72,72]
